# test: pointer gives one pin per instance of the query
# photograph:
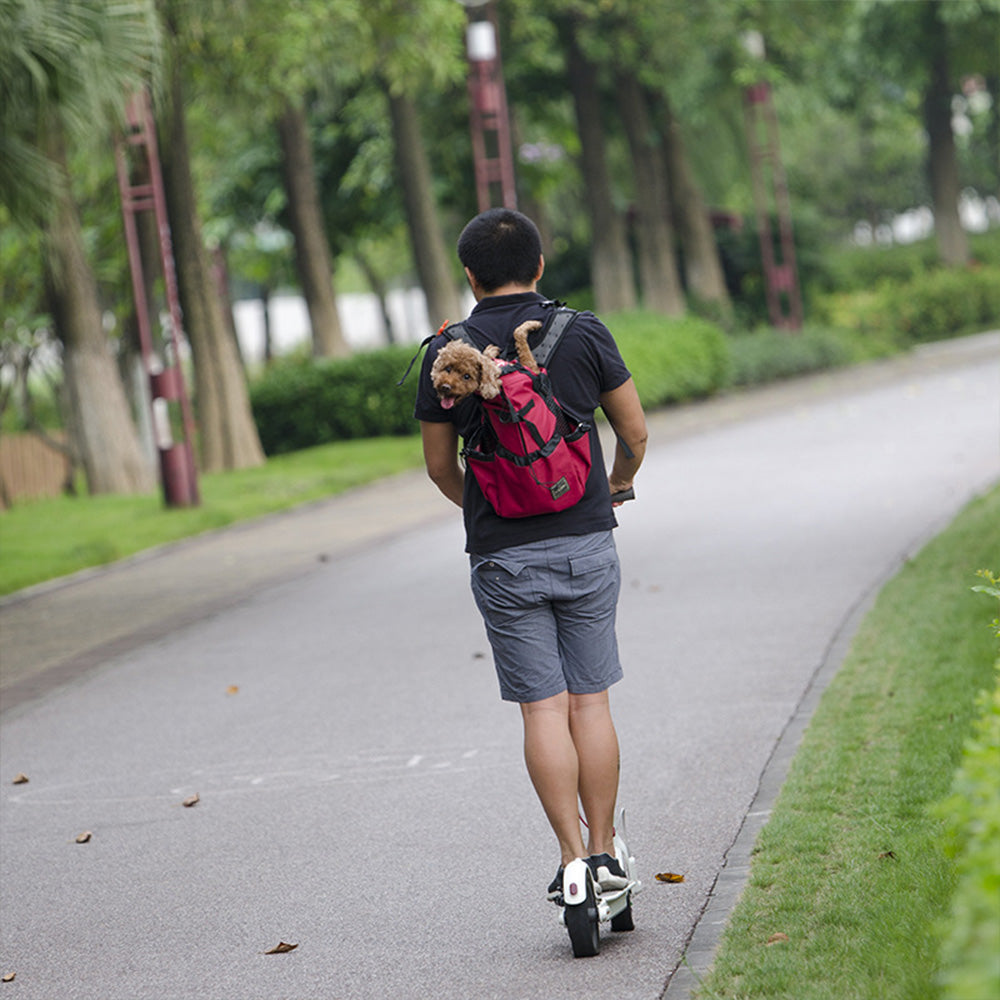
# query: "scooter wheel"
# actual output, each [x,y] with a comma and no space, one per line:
[583,925]
[623,921]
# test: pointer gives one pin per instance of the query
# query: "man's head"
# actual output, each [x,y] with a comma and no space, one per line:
[501,247]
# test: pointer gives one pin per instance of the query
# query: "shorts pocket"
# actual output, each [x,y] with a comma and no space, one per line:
[595,576]
[499,584]
[592,562]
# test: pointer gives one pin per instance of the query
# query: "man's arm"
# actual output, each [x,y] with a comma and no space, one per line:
[624,413]
[441,458]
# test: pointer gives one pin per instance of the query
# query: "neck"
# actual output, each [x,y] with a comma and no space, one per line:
[511,289]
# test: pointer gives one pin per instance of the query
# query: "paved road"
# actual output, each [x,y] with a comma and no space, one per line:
[320,680]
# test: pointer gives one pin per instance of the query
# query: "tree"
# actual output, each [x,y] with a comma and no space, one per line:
[659,278]
[264,62]
[611,263]
[228,438]
[942,162]
[411,50]
[413,171]
[312,248]
[64,69]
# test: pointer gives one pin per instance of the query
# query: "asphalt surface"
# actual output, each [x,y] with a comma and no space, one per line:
[321,680]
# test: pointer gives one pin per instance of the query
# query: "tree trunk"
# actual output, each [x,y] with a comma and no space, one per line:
[431,258]
[229,438]
[377,285]
[702,265]
[106,438]
[658,274]
[610,260]
[264,292]
[312,249]
[942,163]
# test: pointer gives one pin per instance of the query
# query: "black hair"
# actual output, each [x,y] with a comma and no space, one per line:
[501,247]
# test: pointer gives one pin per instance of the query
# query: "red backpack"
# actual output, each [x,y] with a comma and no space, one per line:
[528,454]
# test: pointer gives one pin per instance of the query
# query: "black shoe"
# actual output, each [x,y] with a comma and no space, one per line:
[556,888]
[608,872]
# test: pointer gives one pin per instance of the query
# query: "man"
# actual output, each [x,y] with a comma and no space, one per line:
[547,586]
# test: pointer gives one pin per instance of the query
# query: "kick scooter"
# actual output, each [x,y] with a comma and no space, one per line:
[584,907]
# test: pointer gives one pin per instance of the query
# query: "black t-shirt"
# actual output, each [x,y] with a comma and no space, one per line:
[585,364]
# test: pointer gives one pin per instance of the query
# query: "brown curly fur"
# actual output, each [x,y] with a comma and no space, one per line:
[459,370]
[524,354]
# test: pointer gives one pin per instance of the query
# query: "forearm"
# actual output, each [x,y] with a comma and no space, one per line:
[451,482]
[440,443]
[624,413]
[628,458]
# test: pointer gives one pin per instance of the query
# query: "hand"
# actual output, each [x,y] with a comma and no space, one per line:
[619,487]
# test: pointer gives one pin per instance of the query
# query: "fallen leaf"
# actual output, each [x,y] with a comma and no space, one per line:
[280,948]
[8,977]
[191,800]
[84,837]
[20,779]
[887,856]
[669,877]
[233,689]
[777,938]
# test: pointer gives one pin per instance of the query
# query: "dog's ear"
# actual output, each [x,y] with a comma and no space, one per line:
[489,380]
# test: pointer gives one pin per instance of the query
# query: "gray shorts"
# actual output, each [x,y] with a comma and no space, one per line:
[549,609]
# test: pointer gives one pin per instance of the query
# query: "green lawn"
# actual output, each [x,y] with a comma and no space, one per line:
[852,868]
[44,539]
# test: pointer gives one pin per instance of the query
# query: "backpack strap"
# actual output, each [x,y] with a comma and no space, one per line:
[555,326]
[562,318]
[558,323]
[445,328]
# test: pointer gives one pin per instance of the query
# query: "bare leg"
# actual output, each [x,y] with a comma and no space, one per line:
[596,742]
[554,768]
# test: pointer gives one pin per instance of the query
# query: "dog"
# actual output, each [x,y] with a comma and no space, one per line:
[459,370]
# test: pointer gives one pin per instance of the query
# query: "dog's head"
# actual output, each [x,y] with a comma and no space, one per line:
[459,370]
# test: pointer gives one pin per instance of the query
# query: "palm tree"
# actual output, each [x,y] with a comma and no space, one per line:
[66,67]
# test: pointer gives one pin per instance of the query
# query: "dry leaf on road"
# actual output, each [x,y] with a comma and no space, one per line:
[280,948]
[669,877]
[84,837]
[20,779]
[8,977]
[191,800]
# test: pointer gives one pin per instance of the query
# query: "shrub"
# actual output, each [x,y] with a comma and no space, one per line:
[970,962]
[672,359]
[767,354]
[300,402]
[933,306]
[946,303]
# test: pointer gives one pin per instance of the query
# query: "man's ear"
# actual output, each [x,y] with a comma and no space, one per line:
[477,290]
[541,267]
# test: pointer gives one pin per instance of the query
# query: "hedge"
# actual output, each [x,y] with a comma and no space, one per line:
[300,402]
[931,306]
[672,360]
[970,960]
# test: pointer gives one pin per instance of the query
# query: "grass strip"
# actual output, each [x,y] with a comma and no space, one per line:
[850,881]
[44,539]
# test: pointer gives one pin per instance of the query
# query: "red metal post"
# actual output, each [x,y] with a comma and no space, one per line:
[488,115]
[784,300]
[144,193]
